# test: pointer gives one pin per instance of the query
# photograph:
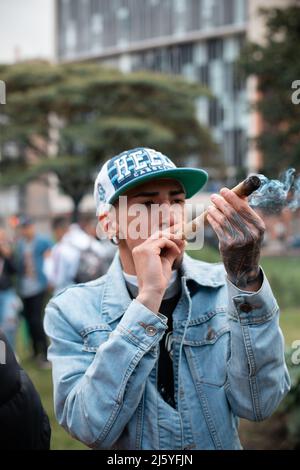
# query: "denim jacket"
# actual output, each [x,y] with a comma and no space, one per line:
[228,360]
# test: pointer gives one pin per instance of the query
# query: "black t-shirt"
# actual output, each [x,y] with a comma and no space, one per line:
[165,376]
[165,379]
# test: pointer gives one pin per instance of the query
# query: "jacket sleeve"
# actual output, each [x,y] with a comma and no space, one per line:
[257,378]
[95,395]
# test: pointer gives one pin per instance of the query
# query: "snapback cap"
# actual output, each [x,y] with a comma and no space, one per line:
[134,167]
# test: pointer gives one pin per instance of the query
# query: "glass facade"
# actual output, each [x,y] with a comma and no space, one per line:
[161,35]
[97,25]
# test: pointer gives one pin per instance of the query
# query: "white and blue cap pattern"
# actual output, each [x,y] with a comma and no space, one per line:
[133,167]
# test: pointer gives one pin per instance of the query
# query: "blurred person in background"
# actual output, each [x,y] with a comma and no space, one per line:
[10,303]
[76,257]
[32,284]
[23,421]
[61,261]
[90,226]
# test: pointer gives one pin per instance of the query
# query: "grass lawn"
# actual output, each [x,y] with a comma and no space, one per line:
[284,275]
[290,325]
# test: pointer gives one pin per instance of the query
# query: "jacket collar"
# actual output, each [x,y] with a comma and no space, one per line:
[116,298]
[204,274]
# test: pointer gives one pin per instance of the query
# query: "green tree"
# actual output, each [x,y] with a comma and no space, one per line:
[276,64]
[69,119]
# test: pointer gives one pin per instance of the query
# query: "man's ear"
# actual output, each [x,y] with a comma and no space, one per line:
[108,224]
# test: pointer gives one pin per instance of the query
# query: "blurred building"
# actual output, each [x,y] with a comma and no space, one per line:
[199,39]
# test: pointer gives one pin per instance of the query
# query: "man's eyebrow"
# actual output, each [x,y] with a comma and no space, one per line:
[146,194]
[156,193]
[177,191]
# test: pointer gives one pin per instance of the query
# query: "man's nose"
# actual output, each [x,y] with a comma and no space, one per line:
[166,216]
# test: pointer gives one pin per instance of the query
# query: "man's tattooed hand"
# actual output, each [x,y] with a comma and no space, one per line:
[240,232]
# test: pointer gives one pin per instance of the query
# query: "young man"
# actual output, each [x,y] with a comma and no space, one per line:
[165,352]
[61,261]
[64,264]
[32,284]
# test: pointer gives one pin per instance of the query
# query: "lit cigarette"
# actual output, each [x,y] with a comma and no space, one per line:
[243,189]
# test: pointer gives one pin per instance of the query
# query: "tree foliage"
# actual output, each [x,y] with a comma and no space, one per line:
[276,64]
[90,113]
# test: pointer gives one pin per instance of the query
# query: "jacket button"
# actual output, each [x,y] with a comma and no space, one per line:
[246,307]
[211,334]
[151,330]
[189,447]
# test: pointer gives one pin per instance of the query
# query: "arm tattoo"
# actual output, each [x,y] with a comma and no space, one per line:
[240,248]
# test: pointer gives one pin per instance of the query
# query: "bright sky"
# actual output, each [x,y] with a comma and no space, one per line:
[26,29]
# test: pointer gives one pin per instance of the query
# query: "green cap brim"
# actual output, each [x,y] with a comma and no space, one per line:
[192,180]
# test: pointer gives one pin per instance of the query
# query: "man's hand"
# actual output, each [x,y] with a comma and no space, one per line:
[240,232]
[153,260]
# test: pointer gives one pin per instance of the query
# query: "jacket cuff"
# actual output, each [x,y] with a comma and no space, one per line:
[252,307]
[141,326]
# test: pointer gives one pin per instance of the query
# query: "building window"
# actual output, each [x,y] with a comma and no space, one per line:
[229,11]
[203,74]
[215,113]
[235,147]
[186,53]
[215,49]
[166,59]
[233,80]
[193,15]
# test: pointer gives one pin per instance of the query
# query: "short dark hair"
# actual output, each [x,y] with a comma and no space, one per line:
[25,220]
[87,219]
[60,222]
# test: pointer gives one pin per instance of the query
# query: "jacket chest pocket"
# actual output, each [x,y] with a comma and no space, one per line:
[207,347]
[94,336]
